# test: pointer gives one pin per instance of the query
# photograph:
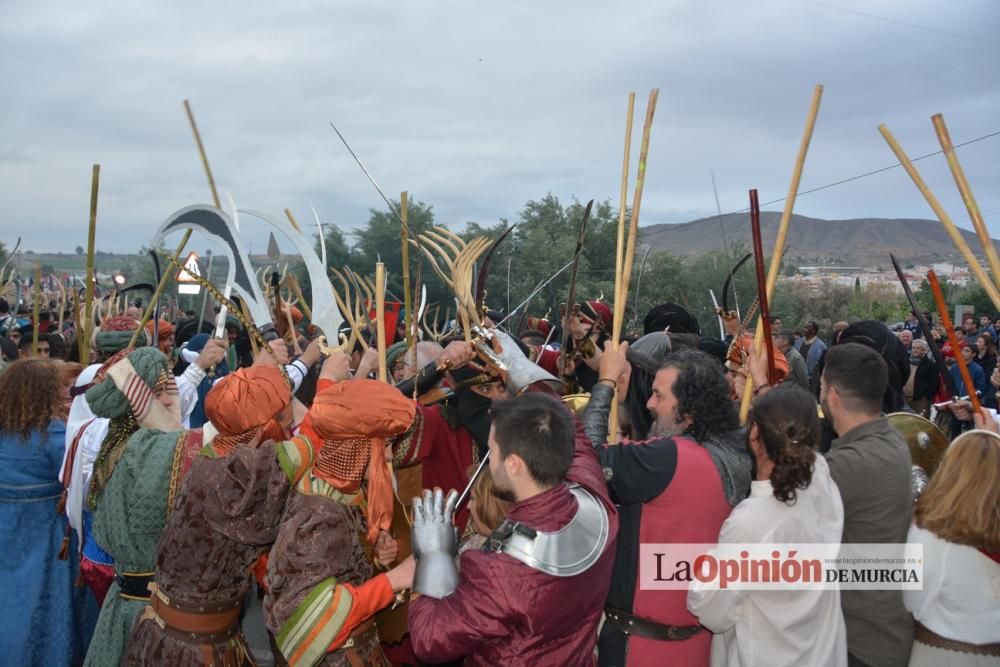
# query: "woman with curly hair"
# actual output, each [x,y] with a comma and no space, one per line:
[957,521]
[792,500]
[45,627]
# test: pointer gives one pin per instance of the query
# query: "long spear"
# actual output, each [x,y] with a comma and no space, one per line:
[627,253]
[758,251]
[37,298]
[404,240]
[87,328]
[779,242]
[963,368]
[970,200]
[187,233]
[571,298]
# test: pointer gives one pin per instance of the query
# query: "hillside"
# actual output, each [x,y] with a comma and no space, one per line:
[863,242]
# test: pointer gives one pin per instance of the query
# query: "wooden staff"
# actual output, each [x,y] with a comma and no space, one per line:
[36,296]
[187,234]
[383,374]
[779,242]
[963,368]
[625,251]
[949,226]
[88,329]
[967,197]
[82,344]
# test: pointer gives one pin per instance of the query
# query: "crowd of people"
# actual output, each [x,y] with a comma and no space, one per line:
[151,490]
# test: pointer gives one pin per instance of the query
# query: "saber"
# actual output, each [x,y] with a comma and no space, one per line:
[536,291]
[472,480]
[963,368]
[156,304]
[722,328]
[925,328]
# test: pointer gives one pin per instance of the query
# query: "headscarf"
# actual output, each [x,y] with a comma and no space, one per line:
[115,333]
[876,335]
[353,420]
[243,403]
[124,391]
[126,383]
[673,316]
[645,356]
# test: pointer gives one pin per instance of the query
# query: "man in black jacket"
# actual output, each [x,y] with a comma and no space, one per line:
[923,382]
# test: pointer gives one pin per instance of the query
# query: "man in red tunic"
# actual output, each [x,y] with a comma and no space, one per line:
[534,595]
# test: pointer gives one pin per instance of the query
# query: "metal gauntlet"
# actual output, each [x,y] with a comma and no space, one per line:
[435,544]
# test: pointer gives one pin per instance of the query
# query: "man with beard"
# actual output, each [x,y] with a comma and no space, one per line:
[679,486]
[870,462]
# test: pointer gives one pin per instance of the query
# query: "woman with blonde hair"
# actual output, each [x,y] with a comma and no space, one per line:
[486,511]
[957,521]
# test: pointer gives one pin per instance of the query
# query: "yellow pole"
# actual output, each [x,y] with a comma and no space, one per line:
[187,234]
[970,200]
[383,374]
[779,242]
[404,239]
[949,226]
[87,328]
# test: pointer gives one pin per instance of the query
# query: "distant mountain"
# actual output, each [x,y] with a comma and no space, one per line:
[864,242]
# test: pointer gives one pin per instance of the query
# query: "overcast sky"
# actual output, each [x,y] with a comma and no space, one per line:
[477,107]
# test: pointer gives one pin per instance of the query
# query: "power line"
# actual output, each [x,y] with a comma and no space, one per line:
[876,171]
[904,23]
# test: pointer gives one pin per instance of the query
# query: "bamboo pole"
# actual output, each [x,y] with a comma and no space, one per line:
[36,296]
[616,324]
[383,374]
[625,251]
[944,138]
[88,303]
[949,226]
[779,243]
[187,234]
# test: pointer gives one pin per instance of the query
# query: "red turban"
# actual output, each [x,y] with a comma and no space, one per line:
[353,419]
[242,403]
[163,328]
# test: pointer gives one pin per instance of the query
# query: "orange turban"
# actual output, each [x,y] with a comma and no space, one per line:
[163,328]
[242,403]
[353,419]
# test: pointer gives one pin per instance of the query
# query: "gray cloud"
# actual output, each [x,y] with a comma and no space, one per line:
[477,107]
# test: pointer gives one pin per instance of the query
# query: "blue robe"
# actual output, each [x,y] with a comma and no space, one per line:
[43,613]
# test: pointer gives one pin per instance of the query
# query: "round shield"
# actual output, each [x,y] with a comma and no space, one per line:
[927,442]
[576,402]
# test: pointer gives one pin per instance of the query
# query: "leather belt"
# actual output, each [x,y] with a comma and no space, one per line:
[195,624]
[925,635]
[134,585]
[631,624]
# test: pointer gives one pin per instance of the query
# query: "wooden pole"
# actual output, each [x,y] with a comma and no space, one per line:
[626,252]
[36,296]
[616,324]
[383,374]
[967,197]
[949,226]
[187,234]
[82,344]
[88,304]
[779,243]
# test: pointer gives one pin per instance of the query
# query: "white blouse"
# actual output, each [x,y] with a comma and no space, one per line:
[780,627]
[960,599]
